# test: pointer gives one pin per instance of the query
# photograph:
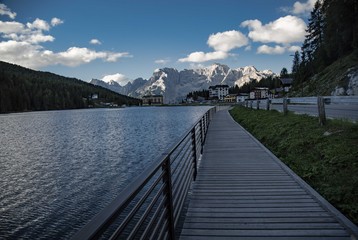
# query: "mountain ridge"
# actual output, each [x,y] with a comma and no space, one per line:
[174,85]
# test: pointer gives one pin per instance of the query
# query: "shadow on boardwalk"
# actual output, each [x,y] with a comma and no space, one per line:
[244,192]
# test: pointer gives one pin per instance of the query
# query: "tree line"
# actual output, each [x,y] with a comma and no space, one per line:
[332,33]
[23,89]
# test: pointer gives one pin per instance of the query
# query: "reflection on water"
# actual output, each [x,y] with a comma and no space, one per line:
[59,168]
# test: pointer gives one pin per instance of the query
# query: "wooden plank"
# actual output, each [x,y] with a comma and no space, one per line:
[263,226]
[267,232]
[243,192]
[261,238]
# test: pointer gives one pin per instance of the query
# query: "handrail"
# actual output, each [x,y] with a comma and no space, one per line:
[319,101]
[150,206]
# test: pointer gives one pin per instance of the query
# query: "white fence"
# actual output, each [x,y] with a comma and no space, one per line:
[320,102]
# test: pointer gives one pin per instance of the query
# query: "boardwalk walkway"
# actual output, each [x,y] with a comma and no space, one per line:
[244,192]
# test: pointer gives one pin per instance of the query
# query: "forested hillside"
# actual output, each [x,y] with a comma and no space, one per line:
[330,50]
[23,89]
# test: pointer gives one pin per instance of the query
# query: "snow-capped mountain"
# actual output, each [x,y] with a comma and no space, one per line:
[174,85]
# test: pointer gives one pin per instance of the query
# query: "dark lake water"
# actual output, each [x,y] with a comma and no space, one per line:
[59,168]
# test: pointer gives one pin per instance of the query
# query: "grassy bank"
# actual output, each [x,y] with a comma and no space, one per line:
[326,157]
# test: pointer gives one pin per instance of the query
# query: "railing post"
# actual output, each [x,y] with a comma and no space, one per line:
[257,104]
[201,131]
[268,104]
[169,196]
[321,111]
[251,104]
[195,154]
[285,108]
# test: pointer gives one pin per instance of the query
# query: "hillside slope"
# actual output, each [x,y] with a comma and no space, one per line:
[339,78]
[23,89]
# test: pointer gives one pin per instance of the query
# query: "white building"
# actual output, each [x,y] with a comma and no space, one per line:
[259,93]
[218,91]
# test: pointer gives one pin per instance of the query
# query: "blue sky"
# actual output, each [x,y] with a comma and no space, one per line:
[127,39]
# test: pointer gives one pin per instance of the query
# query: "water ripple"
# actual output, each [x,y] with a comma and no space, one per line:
[59,168]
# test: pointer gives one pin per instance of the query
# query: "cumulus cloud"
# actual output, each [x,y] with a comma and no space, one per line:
[31,32]
[11,27]
[285,30]
[294,48]
[95,41]
[118,77]
[56,21]
[22,45]
[162,61]
[4,10]
[198,57]
[39,24]
[222,43]
[303,8]
[35,56]
[226,41]
[264,49]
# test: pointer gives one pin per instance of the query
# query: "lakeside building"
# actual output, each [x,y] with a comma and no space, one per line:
[231,98]
[259,93]
[218,92]
[286,84]
[241,97]
[152,100]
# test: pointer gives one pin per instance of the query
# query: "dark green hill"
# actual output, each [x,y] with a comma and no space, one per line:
[333,77]
[23,89]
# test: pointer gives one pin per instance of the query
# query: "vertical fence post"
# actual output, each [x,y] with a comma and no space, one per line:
[257,104]
[202,131]
[321,111]
[268,104]
[251,104]
[285,108]
[169,196]
[195,154]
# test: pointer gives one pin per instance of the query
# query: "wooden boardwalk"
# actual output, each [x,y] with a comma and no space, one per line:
[244,192]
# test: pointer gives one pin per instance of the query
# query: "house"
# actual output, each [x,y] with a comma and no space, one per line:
[231,98]
[152,100]
[218,91]
[286,83]
[242,97]
[259,93]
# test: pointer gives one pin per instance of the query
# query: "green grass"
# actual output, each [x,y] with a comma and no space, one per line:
[326,157]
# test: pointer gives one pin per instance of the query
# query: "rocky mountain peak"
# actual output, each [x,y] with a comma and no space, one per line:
[174,85]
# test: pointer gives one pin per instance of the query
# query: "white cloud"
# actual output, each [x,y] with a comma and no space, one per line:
[294,48]
[4,10]
[285,30]
[39,24]
[303,8]
[118,77]
[226,41]
[29,33]
[222,43]
[56,21]
[162,61]
[198,57]
[35,56]
[11,27]
[22,45]
[264,49]
[95,42]
[197,66]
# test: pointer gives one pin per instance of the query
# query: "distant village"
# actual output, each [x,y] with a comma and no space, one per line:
[221,94]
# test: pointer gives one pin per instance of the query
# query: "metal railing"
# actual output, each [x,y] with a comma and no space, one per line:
[150,207]
[320,102]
